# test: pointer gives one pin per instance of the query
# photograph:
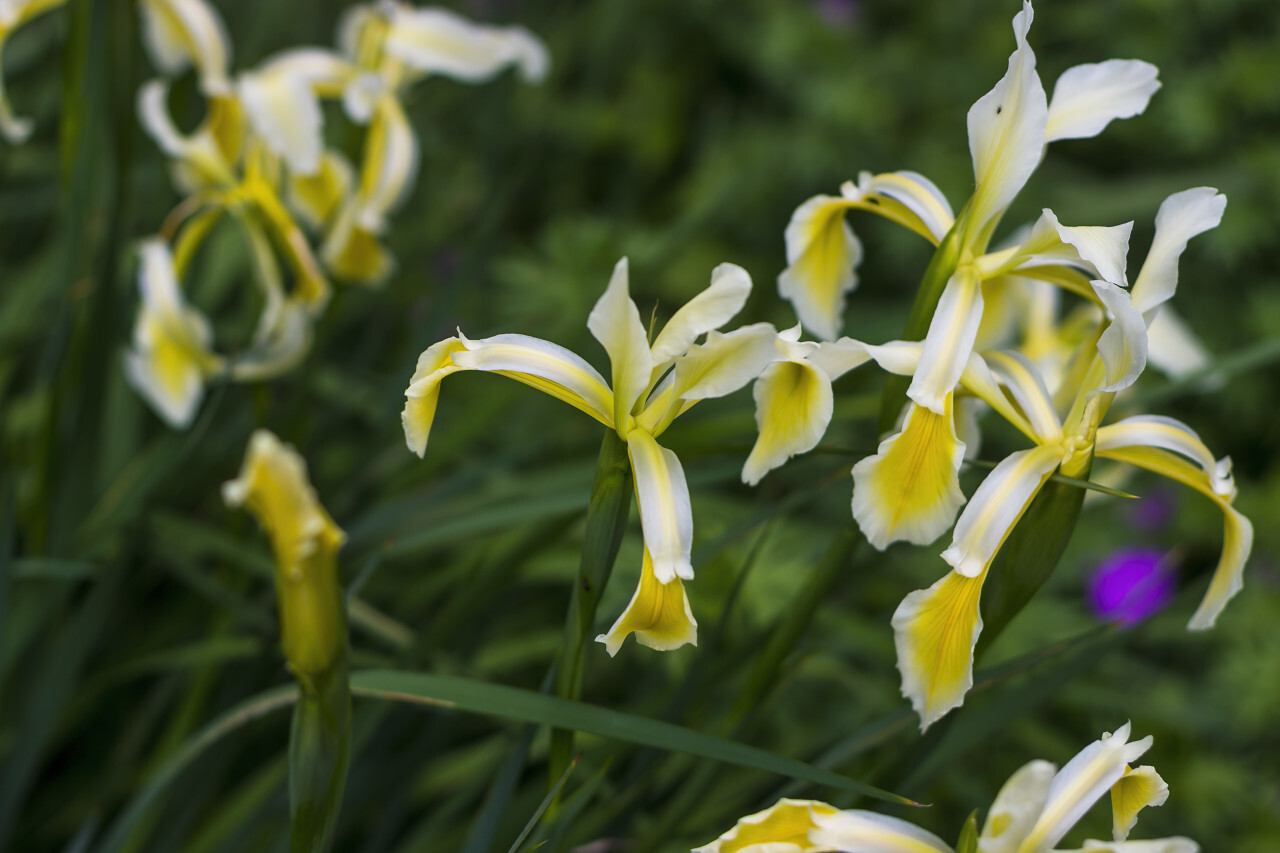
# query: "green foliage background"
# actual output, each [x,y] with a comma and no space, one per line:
[135,607]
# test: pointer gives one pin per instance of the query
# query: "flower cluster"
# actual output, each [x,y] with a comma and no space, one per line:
[260,158]
[1033,812]
[1054,380]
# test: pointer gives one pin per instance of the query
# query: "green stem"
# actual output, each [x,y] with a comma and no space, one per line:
[607,514]
[936,275]
[319,752]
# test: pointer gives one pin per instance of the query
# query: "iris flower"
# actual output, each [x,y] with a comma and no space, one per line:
[650,385]
[937,629]
[1034,810]
[910,490]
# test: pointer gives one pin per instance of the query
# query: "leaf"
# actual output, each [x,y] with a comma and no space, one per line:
[511,703]
[968,841]
[546,802]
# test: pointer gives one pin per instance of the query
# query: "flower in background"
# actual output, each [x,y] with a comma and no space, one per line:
[1154,510]
[1132,584]
[13,14]
[1033,812]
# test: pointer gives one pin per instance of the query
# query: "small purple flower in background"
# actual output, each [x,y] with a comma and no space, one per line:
[840,13]
[1132,584]
[1154,510]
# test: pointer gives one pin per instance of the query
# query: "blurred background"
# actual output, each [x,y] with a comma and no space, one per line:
[134,607]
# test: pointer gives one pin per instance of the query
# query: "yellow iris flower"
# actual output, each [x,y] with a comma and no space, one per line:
[649,386]
[1032,812]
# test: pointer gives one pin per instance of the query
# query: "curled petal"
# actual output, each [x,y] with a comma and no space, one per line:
[543,365]
[1087,98]
[1103,250]
[793,408]
[435,363]
[935,631]
[666,516]
[910,490]
[615,323]
[1123,346]
[996,507]
[1024,382]
[822,259]
[390,165]
[1172,435]
[1016,808]
[280,343]
[949,341]
[784,827]
[1137,789]
[658,615]
[712,308]
[437,41]
[1081,783]
[1007,131]
[908,198]
[1181,216]
[860,830]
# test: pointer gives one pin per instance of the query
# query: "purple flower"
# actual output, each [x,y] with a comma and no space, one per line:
[1131,585]
[1154,510]
[839,13]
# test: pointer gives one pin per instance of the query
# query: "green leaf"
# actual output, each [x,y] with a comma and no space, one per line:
[545,804]
[526,706]
[968,841]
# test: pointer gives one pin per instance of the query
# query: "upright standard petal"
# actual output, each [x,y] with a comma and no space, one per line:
[438,41]
[1181,216]
[183,32]
[615,323]
[1137,789]
[935,631]
[1101,249]
[390,165]
[1088,97]
[1081,783]
[1123,346]
[1175,350]
[793,408]
[949,341]
[784,827]
[282,101]
[1016,808]
[910,490]
[996,507]
[666,516]
[658,615]
[822,260]
[1007,132]
[712,308]
[868,832]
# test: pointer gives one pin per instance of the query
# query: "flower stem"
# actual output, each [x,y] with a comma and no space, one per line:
[607,514]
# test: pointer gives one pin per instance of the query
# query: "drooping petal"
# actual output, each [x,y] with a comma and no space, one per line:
[615,323]
[438,41]
[1172,435]
[200,154]
[822,260]
[1088,97]
[1081,783]
[658,615]
[935,631]
[543,365]
[1137,789]
[390,165]
[178,33]
[793,408]
[784,827]
[317,198]
[423,393]
[280,342]
[1016,808]
[869,832]
[996,507]
[1181,216]
[1237,537]
[1123,346]
[171,357]
[712,308]
[908,198]
[1007,131]
[910,490]
[666,516]
[725,362]
[353,253]
[949,341]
